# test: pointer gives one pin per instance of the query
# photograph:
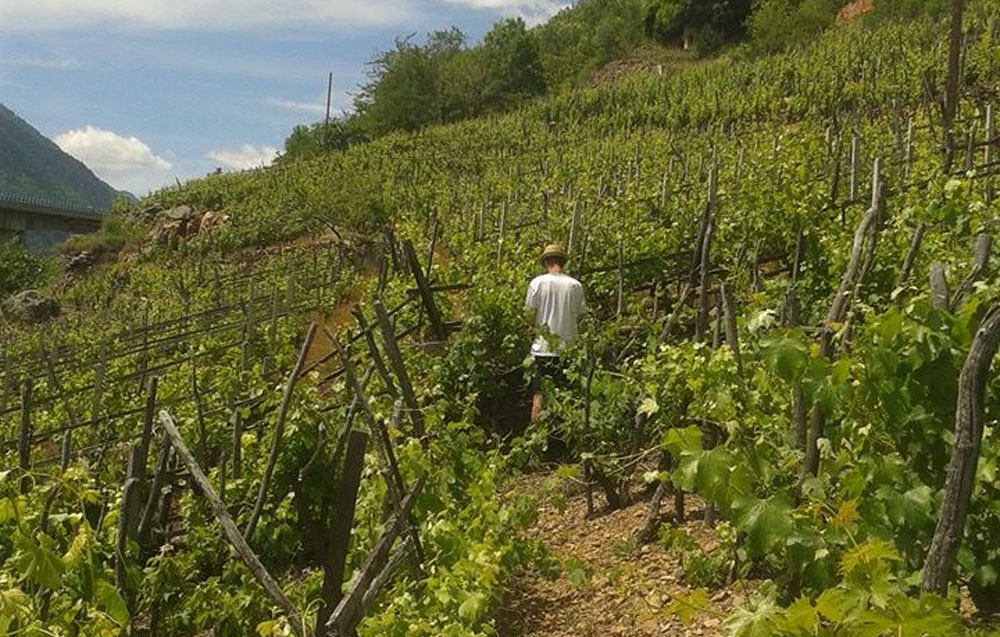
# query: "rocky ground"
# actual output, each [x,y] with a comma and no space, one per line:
[608,585]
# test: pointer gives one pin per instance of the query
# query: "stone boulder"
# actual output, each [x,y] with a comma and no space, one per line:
[80,262]
[175,224]
[30,306]
[180,213]
[182,222]
[150,211]
[211,221]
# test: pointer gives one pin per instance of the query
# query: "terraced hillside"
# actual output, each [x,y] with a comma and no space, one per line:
[303,416]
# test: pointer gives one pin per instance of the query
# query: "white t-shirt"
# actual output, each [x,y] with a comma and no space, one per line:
[557,300]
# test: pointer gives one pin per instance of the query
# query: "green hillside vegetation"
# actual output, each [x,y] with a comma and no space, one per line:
[756,234]
[33,166]
[443,79]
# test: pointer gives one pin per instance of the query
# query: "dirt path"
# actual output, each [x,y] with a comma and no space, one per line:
[608,585]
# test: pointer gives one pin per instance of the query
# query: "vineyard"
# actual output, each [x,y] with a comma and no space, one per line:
[313,419]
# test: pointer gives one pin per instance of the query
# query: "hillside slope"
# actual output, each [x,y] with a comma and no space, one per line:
[32,165]
[712,214]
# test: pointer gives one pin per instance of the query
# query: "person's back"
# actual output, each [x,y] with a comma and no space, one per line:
[557,300]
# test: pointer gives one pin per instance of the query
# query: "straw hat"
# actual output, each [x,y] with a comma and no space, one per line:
[554,250]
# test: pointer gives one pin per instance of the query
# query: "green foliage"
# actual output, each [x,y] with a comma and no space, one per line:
[868,602]
[713,23]
[306,142]
[586,36]
[119,231]
[512,67]
[779,24]
[405,87]
[842,550]
[909,9]
[442,80]
[19,269]
[701,568]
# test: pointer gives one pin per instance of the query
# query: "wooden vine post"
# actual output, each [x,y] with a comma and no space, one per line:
[373,351]
[269,584]
[621,279]
[279,428]
[395,486]
[399,368]
[125,517]
[426,295]
[339,536]
[732,334]
[980,264]
[940,296]
[951,92]
[862,252]
[24,436]
[149,510]
[855,166]
[969,422]
[97,399]
[199,410]
[988,153]
[375,573]
[701,326]
[911,255]
[67,440]
[574,228]
[500,233]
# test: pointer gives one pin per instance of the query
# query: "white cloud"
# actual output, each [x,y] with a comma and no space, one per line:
[532,11]
[221,15]
[296,107]
[247,156]
[124,162]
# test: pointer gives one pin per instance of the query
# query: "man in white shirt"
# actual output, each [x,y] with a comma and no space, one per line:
[556,299]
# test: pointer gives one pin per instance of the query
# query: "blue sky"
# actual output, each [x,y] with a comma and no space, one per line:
[144,91]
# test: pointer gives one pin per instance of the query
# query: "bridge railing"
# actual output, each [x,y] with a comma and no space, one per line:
[52,204]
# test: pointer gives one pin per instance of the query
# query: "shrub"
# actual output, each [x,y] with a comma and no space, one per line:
[19,269]
[779,24]
[117,232]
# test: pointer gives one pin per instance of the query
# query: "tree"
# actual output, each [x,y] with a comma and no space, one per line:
[513,66]
[779,24]
[404,91]
[401,92]
[309,141]
[667,20]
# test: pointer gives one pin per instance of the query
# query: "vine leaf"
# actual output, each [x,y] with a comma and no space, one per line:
[801,617]
[680,440]
[766,523]
[846,515]
[471,608]
[687,607]
[111,601]
[867,555]
[38,563]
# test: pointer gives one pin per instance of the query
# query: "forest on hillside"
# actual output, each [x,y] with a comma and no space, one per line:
[294,400]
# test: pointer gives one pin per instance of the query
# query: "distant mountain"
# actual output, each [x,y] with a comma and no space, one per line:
[32,165]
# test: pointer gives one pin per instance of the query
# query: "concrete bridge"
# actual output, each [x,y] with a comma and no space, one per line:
[40,224]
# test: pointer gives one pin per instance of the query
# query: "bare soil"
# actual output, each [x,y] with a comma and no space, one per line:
[627,588]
